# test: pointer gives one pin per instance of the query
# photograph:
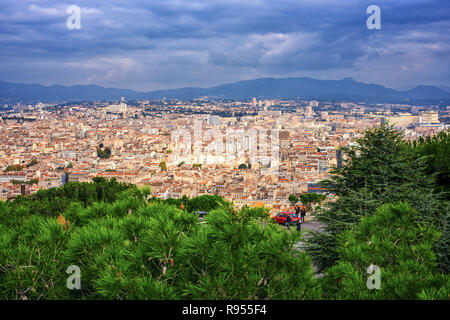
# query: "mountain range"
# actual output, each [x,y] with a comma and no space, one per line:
[303,88]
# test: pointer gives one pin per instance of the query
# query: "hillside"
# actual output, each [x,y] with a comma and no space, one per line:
[304,88]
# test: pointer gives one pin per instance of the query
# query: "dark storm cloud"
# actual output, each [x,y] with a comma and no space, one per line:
[170,43]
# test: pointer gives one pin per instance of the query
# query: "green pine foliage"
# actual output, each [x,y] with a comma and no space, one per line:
[29,259]
[436,150]
[380,169]
[236,257]
[200,203]
[402,249]
[54,201]
[134,248]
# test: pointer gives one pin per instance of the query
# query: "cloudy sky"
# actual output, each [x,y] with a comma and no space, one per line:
[161,44]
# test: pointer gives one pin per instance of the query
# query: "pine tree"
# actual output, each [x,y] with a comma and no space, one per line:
[435,151]
[131,248]
[376,171]
[401,249]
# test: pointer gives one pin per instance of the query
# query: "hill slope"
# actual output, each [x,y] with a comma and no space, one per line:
[305,88]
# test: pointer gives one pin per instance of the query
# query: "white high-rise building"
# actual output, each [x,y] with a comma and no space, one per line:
[309,112]
[214,120]
[118,108]
[428,117]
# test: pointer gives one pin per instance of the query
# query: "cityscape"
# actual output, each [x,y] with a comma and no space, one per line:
[224,158]
[58,144]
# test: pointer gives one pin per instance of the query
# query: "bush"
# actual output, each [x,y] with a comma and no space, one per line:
[401,249]
[131,249]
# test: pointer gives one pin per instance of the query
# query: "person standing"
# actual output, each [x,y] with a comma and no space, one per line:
[288,221]
[303,213]
[297,212]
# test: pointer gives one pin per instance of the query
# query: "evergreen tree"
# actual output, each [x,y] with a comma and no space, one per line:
[376,171]
[435,151]
[133,249]
[400,248]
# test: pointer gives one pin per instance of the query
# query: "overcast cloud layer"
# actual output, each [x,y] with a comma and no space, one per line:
[161,44]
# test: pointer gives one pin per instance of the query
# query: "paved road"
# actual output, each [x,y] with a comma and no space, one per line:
[313,225]
[308,225]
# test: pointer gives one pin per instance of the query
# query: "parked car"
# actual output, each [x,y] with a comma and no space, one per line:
[282,216]
[201,215]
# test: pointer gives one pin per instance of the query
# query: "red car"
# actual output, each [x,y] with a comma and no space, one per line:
[282,216]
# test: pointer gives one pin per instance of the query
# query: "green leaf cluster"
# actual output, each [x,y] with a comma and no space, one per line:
[402,249]
[380,169]
[131,248]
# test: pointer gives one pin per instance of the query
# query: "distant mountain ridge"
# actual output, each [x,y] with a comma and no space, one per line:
[303,88]
[446,88]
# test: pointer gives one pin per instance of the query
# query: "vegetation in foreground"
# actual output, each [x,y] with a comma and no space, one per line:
[131,248]
[381,169]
